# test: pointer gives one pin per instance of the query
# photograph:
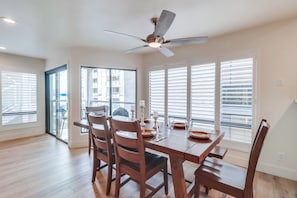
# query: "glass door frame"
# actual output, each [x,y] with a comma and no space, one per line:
[48,100]
[110,101]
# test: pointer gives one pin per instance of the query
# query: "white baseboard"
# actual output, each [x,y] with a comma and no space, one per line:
[79,144]
[278,171]
[5,136]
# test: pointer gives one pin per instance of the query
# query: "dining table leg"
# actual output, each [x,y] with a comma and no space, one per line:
[180,189]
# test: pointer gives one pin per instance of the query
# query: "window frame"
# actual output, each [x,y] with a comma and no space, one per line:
[217,60]
[163,113]
[110,101]
[205,122]
[38,121]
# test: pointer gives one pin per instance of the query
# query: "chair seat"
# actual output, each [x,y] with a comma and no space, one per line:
[101,152]
[152,161]
[221,174]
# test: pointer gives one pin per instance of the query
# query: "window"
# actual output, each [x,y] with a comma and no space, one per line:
[177,92]
[19,98]
[114,88]
[236,99]
[203,95]
[157,92]
[91,96]
[221,96]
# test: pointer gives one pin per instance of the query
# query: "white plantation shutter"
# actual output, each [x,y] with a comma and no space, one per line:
[237,99]
[203,95]
[157,91]
[177,92]
[230,81]
[19,97]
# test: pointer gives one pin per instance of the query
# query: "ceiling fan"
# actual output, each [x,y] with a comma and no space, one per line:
[157,40]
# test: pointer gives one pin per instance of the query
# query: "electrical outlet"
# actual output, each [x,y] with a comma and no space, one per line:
[280,156]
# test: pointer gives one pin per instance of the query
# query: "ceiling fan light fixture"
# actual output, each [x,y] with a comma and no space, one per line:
[8,20]
[156,39]
[154,44]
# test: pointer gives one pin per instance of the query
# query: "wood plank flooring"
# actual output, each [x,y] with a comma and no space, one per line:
[45,167]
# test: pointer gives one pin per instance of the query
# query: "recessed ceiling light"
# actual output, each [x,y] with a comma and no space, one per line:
[8,20]
[2,48]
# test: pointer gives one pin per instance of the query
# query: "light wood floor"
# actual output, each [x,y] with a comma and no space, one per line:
[45,167]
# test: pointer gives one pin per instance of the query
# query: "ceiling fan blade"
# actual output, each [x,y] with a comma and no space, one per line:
[164,23]
[189,40]
[165,51]
[124,34]
[136,48]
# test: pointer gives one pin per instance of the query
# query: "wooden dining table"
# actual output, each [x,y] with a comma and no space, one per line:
[180,147]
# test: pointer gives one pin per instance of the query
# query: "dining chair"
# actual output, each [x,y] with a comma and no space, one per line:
[120,111]
[62,114]
[103,148]
[231,179]
[98,110]
[133,160]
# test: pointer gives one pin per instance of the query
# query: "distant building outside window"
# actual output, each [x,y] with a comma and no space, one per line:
[104,86]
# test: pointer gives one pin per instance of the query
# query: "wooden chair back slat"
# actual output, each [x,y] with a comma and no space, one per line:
[97,109]
[125,142]
[129,155]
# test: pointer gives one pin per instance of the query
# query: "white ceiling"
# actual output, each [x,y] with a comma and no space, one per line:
[45,25]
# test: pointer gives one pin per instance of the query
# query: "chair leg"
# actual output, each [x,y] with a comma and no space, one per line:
[142,189]
[95,165]
[117,184]
[109,175]
[197,189]
[90,141]
[165,176]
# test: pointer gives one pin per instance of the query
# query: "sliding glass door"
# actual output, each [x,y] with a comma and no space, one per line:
[57,103]
[115,88]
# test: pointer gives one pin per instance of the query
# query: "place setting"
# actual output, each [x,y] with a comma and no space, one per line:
[198,134]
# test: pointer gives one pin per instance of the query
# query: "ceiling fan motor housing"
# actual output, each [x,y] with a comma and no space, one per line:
[152,38]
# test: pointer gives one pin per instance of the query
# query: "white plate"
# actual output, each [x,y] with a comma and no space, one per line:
[179,125]
[199,135]
[148,133]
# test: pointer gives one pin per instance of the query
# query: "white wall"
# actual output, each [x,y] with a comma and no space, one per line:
[58,58]
[275,48]
[77,57]
[16,63]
